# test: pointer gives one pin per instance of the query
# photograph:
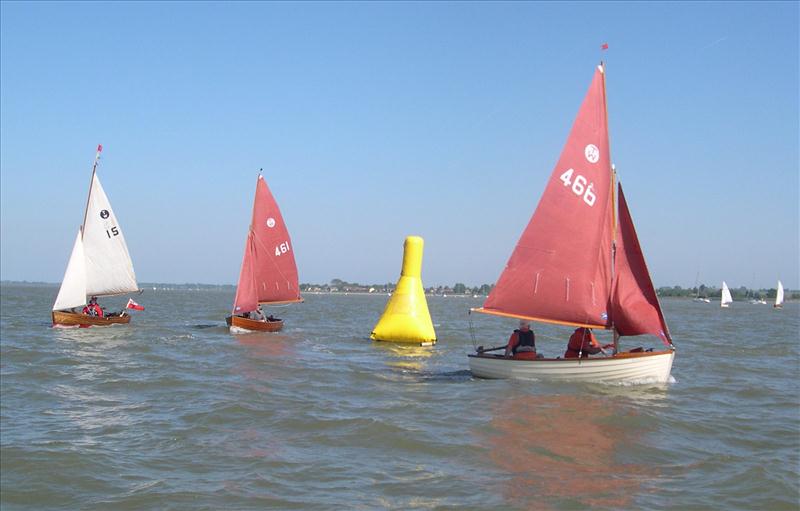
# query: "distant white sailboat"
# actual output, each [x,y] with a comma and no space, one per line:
[779,297]
[726,298]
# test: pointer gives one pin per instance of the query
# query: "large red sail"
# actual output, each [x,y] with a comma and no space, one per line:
[560,270]
[634,304]
[269,256]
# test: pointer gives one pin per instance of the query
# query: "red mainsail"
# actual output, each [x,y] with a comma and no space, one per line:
[560,270]
[269,271]
[635,309]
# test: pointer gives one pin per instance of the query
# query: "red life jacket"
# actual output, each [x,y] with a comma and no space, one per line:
[98,311]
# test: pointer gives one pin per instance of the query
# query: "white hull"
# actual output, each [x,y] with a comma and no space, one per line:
[648,367]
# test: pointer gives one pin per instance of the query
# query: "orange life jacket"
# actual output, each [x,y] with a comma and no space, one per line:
[582,340]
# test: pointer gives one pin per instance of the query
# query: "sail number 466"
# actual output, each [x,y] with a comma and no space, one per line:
[282,248]
[579,187]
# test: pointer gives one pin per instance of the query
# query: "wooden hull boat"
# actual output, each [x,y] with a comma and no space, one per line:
[63,318]
[99,264]
[653,366]
[238,323]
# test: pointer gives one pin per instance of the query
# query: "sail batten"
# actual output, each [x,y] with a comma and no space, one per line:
[268,258]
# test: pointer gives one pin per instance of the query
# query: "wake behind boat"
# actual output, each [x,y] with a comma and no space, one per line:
[99,265]
[578,263]
[269,271]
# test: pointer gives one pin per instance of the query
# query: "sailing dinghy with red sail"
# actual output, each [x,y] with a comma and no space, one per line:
[100,264]
[269,272]
[578,263]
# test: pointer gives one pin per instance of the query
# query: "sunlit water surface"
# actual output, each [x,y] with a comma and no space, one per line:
[174,412]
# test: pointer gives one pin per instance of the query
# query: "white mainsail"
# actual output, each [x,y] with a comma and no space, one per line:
[726,295]
[100,263]
[109,269]
[779,295]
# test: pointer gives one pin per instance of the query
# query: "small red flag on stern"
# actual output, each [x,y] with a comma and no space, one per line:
[133,305]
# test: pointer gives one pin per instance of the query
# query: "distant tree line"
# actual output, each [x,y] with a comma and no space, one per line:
[342,286]
[740,293]
[459,288]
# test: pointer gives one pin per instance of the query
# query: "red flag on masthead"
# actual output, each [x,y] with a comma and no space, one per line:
[99,148]
[604,46]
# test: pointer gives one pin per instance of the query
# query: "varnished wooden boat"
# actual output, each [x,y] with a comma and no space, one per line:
[269,273]
[99,264]
[253,324]
[63,318]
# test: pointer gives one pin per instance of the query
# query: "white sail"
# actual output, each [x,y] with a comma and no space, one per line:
[73,287]
[109,269]
[100,264]
[779,295]
[726,295]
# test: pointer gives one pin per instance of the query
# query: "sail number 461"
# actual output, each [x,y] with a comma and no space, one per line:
[282,248]
[579,187]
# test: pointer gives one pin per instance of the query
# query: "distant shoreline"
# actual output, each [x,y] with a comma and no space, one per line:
[151,287]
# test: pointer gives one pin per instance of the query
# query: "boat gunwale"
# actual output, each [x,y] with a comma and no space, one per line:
[618,356]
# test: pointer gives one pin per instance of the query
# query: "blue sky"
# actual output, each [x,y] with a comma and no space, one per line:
[373,121]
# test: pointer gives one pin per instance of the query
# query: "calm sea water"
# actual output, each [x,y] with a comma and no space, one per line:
[173,412]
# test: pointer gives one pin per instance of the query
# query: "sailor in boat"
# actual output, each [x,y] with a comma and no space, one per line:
[258,315]
[255,315]
[522,343]
[583,343]
[93,308]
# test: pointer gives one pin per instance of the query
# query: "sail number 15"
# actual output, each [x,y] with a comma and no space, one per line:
[282,248]
[579,187]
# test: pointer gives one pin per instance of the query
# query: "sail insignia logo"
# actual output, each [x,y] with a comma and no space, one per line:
[604,316]
[104,214]
[592,153]
[270,222]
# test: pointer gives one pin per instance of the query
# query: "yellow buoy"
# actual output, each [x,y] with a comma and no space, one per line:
[406,317]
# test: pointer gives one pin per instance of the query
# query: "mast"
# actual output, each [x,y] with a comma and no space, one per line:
[613,196]
[91,183]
